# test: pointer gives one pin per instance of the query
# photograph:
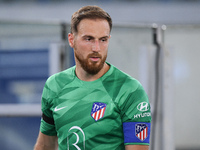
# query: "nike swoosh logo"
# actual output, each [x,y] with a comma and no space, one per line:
[57,109]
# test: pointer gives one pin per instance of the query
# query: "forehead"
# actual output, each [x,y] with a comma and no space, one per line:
[94,27]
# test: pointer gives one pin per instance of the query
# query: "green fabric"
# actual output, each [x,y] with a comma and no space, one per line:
[69,101]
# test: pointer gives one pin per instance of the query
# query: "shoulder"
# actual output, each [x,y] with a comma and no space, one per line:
[60,79]
[120,85]
[124,79]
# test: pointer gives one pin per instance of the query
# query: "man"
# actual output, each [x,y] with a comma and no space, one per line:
[93,105]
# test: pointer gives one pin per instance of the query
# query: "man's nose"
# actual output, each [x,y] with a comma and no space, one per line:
[96,46]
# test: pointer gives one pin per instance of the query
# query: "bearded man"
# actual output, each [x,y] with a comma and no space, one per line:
[93,105]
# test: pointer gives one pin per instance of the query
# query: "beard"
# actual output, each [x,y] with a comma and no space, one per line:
[89,66]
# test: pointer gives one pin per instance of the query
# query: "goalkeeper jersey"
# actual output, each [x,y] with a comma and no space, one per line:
[107,113]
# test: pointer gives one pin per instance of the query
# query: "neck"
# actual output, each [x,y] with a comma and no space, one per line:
[83,75]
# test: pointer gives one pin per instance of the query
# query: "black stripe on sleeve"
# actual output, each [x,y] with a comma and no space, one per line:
[47,119]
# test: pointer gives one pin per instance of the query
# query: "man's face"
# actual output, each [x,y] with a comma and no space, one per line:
[90,44]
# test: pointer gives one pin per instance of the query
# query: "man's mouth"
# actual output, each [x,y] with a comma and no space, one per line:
[95,59]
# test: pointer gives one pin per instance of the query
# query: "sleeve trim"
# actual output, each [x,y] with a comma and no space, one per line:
[136,132]
[48,119]
[136,144]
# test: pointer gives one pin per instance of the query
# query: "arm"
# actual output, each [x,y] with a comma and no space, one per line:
[137,147]
[45,142]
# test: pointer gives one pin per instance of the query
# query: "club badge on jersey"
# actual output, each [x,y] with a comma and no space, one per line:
[98,110]
[141,131]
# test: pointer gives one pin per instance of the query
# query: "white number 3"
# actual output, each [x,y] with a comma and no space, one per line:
[77,138]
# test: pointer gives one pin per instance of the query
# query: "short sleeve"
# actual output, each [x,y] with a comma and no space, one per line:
[136,115]
[47,125]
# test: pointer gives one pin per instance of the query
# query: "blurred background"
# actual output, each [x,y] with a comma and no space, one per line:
[155,41]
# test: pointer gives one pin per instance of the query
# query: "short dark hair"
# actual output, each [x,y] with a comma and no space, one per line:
[89,12]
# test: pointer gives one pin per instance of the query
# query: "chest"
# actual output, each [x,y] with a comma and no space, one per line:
[87,117]
[84,108]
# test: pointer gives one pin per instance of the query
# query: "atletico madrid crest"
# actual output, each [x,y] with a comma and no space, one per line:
[98,110]
[141,131]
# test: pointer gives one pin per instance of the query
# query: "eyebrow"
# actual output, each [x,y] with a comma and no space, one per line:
[85,36]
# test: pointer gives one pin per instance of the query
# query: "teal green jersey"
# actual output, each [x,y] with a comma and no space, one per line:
[107,113]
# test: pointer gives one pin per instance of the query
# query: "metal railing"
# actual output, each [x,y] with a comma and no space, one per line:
[20,110]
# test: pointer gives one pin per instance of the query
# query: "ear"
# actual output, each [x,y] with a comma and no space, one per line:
[71,39]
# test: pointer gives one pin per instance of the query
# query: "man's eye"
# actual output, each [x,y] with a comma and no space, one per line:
[88,39]
[104,40]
